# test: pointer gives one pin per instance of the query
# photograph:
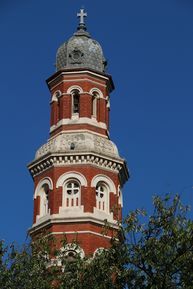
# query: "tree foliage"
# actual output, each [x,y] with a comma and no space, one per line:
[153,252]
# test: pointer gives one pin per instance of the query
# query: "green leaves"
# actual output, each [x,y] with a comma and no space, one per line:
[149,252]
[163,251]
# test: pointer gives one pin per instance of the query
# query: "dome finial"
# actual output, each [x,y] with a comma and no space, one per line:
[81,15]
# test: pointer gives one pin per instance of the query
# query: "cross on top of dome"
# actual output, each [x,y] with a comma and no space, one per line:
[82,14]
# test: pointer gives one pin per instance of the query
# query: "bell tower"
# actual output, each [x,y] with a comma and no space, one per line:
[78,174]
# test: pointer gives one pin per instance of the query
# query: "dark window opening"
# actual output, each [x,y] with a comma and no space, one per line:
[76,101]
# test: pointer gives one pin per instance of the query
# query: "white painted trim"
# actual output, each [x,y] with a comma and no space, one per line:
[78,130]
[44,181]
[96,160]
[74,87]
[104,179]
[98,250]
[80,72]
[55,97]
[73,247]
[79,120]
[62,219]
[98,91]
[69,211]
[81,232]
[71,175]
[120,200]
[85,71]
[79,80]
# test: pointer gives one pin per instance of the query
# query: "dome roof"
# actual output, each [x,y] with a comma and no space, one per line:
[80,51]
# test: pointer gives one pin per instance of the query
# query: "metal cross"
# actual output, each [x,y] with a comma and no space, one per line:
[82,14]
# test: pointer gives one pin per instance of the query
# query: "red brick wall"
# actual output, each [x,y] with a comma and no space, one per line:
[88,197]
[64,108]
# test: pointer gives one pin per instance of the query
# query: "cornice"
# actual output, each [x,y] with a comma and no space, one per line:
[117,165]
[54,219]
[56,76]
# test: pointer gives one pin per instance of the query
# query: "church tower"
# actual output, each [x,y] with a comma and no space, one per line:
[78,174]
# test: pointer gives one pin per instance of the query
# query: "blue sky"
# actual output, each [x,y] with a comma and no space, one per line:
[149,47]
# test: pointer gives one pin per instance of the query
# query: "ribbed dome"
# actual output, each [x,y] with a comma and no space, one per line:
[80,51]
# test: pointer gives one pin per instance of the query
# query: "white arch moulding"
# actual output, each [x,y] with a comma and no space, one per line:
[44,181]
[73,87]
[56,95]
[71,175]
[99,92]
[106,180]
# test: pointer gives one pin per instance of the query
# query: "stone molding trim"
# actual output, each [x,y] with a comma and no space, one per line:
[71,175]
[56,77]
[44,181]
[104,179]
[78,120]
[56,95]
[99,92]
[76,143]
[78,80]
[78,131]
[74,87]
[81,232]
[73,247]
[99,160]
[57,219]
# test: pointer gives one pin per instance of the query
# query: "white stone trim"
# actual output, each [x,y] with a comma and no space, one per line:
[106,180]
[120,200]
[79,120]
[40,191]
[73,247]
[79,80]
[62,219]
[81,232]
[80,72]
[110,187]
[75,209]
[69,211]
[99,92]
[55,96]
[116,165]
[99,251]
[78,131]
[71,175]
[44,181]
[85,71]
[74,87]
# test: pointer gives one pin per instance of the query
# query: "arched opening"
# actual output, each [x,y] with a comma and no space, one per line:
[69,253]
[44,200]
[101,196]
[75,101]
[72,193]
[94,104]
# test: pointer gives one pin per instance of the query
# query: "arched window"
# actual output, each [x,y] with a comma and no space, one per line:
[101,196]
[42,192]
[75,101]
[72,193]
[69,253]
[98,252]
[94,104]
[44,195]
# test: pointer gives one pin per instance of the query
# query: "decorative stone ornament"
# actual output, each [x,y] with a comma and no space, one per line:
[76,56]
